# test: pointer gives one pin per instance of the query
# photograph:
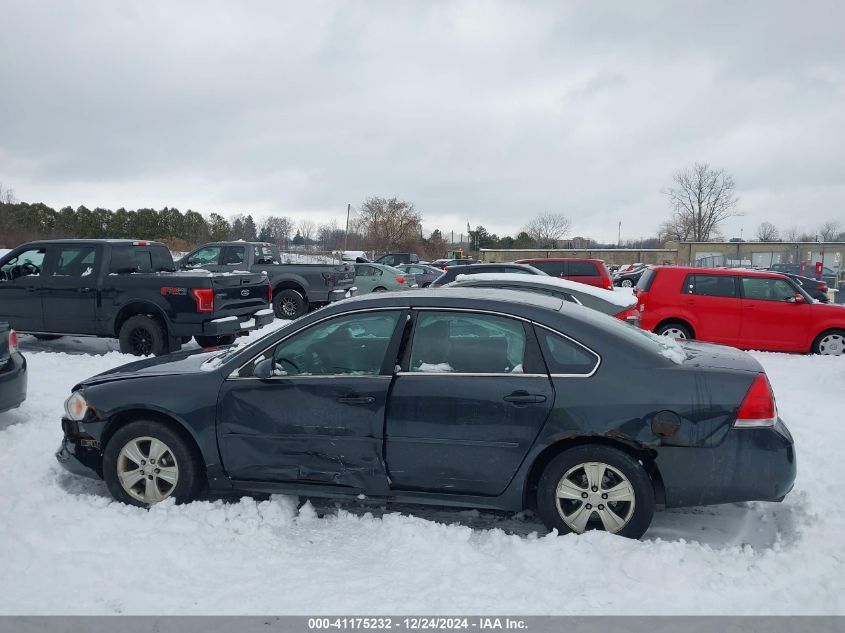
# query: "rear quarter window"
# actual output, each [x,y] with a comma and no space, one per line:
[646,280]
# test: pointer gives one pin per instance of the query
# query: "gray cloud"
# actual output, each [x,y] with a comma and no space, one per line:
[480,111]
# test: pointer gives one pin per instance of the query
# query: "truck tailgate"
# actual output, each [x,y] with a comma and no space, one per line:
[344,275]
[239,292]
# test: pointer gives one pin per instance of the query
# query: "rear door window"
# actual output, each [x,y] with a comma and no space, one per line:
[75,261]
[555,269]
[711,286]
[468,343]
[234,255]
[565,357]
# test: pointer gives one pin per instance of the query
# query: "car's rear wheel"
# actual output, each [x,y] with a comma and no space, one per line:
[289,304]
[147,461]
[596,487]
[627,283]
[379,289]
[830,343]
[674,330]
[426,284]
[215,341]
[143,335]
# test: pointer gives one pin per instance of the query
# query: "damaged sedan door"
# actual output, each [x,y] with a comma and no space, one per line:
[311,408]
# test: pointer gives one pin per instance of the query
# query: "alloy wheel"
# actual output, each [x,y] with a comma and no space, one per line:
[674,332]
[147,469]
[832,345]
[597,492]
[626,283]
[289,307]
[141,341]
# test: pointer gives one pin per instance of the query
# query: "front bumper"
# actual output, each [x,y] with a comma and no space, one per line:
[749,465]
[80,460]
[13,380]
[238,324]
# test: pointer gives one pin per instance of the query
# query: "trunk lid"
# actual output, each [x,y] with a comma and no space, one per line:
[715,356]
[340,276]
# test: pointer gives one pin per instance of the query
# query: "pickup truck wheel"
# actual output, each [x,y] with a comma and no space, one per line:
[215,341]
[146,462]
[289,304]
[142,335]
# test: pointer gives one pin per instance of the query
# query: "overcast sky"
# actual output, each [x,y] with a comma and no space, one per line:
[482,111]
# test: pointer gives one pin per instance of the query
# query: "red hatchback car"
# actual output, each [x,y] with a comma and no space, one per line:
[586,271]
[744,308]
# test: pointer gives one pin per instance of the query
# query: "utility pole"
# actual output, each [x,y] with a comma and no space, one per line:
[346,236]
[619,241]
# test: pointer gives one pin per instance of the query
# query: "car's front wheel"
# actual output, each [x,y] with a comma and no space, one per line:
[596,487]
[627,283]
[147,461]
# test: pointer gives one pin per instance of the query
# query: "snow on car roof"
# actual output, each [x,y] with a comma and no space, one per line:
[485,294]
[622,299]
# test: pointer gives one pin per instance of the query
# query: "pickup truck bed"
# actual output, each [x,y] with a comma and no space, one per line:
[126,289]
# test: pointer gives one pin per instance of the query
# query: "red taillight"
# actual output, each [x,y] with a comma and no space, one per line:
[13,341]
[641,299]
[608,285]
[140,243]
[758,408]
[269,293]
[822,287]
[400,280]
[204,298]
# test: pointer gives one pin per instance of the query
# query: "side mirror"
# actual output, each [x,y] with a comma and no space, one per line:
[263,368]
[798,298]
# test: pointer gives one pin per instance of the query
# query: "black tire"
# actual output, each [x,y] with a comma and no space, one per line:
[426,284]
[830,342]
[47,337]
[143,335]
[289,304]
[188,464]
[637,513]
[675,325]
[380,289]
[185,339]
[215,341]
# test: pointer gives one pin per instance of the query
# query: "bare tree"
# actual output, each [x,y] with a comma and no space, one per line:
[7,196]
[547,228]
[702,200]
[306,230]
[792,234]
[389,224]
[767,232]
[830,230]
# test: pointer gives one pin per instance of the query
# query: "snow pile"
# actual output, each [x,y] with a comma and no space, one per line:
[57,531]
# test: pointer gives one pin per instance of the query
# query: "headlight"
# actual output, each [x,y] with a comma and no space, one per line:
[76,407]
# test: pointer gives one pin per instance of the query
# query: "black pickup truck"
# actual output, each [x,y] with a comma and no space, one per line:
[297,288]
[129,290]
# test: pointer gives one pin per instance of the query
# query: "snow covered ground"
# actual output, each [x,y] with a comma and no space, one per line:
[65,547]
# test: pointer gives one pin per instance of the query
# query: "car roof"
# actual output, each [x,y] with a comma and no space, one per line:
[745,272]
[92,241]
[509,301]
[559,259]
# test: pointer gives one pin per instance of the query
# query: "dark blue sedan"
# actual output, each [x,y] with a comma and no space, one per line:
[462,397]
